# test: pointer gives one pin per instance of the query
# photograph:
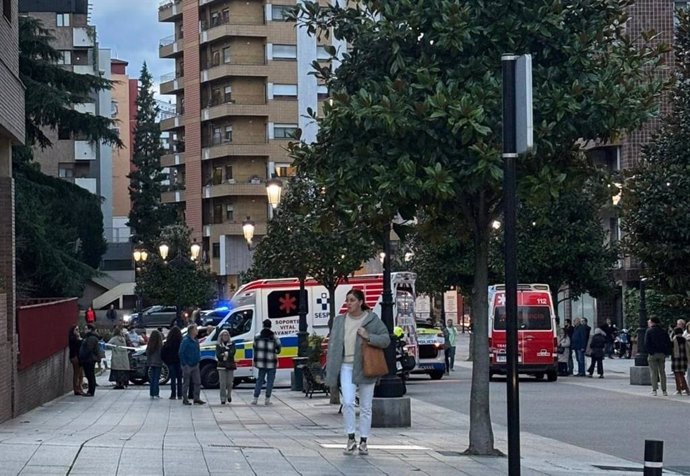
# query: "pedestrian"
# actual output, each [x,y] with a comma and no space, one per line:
[579,344]
[196,316]
[134,338]
[170,354]
[89,353]
[686,335]
[344,360]
[111,315]
[74,340]
[155,362]
[597,348]
[680,352]
[450,334]
[266,349]
[119,360]
[190,355]
[563,351]
[90,316]
[610,331]
[569,332]
[225,358]
[658,346]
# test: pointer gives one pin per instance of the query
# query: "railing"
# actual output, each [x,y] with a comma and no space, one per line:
[251,99]
[170,76]
[169,40]
[220,21]
[212,143]
[163,4]
[214,63]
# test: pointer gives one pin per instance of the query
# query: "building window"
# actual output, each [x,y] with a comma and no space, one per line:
[279,12]
[227,94]
[284,131]
[64,134]
[284,51]
[227,137]
[215,250]
[284,90]
[285,170]
[62,19]
[229,213]
[217,175]
[65,57]
[321,54]
[65,171]
[226,55]
[217,213]
[7,9]
[228,173]
[322,91]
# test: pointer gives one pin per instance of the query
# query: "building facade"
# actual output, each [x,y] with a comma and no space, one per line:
[242,88]
[11,133]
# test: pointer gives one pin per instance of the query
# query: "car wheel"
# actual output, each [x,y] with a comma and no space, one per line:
[165,375]
[552,376]
[209,376]
[436,374]
[539,375]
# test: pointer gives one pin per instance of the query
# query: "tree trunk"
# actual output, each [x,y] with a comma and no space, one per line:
[335,392]
[481,433]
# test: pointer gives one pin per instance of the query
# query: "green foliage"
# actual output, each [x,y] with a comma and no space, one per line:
[52,91]
[415,121]
[177,281]
[656,193]
[58,247]
[147,216]
[315,350]
[667,308]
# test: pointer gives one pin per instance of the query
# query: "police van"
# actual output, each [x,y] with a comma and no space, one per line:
[278,300]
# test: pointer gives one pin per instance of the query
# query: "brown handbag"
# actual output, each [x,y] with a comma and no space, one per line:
[373,361]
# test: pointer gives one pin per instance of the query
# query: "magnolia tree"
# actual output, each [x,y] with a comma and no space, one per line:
[415,117]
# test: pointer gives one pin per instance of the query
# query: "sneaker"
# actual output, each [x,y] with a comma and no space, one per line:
[589,375]
[186,402]
[678,392]
[229,398]
[173,397]
[601,376]
[268,402]
[350,447]
[222,402]
[665,393]
[363,449]
[255,401]
[653,393]
[199,402]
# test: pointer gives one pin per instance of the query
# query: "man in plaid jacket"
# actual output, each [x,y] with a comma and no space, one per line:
[266,350]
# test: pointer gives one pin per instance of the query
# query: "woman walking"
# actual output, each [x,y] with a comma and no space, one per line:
[225,357]
[74,339]
[170,354]
[155,362]
[597,345]
[680,352]
[119,360]
[349,331]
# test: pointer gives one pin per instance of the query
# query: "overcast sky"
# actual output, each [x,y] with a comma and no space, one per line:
[130,29]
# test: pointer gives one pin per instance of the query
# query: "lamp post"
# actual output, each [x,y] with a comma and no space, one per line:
[178,261]
[140,255]
[641,355]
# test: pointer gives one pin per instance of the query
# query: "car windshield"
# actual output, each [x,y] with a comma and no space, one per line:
[240,322]
[535,318]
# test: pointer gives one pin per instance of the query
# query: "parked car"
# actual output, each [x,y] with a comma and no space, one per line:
[139,371]
[154,316]
[212,317]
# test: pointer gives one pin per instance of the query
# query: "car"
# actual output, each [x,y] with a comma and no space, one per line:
[139,371]
[154,316]
[213,317]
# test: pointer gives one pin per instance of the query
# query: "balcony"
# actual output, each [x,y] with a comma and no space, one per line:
[171,123]
[175,196]
[241,106]
[206,2]
[83,37]
[170,47]
[219,28]
[226,70]
[84,150]
[172,159]
[228,189]
[232,228]
[235,149]
[171,83]
[169,10]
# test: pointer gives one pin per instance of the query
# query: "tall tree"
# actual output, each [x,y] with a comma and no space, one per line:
[147,216]
[656,192]
[59,226]
[417,101]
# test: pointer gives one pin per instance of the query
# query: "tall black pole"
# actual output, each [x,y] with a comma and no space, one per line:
[511,281]
[641,356]
[389,385]
[302,334]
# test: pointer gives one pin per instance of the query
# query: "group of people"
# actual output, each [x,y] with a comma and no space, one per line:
[577,337]
[659,345]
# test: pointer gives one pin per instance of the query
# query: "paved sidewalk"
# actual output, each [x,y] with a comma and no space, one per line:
[124,432]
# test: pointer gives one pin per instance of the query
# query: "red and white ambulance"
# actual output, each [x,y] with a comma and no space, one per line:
[537,331]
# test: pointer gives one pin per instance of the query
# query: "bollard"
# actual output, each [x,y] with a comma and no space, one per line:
[653,457]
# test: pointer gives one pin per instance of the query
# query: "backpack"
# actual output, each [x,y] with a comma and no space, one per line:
[85,354]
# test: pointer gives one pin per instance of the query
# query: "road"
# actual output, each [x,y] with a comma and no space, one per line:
[609,416]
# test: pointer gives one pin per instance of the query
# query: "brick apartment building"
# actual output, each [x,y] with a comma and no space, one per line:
[242,87]
[11,133]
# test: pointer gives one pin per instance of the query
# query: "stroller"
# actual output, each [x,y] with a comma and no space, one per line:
[622,344]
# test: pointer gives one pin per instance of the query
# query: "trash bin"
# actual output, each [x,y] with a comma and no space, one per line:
[297,383]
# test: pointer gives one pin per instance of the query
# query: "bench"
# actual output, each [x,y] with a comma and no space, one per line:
[314,380]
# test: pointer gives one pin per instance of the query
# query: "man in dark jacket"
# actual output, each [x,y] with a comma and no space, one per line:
[190,355]
[579,343]
[88,356]
[658,346]
[266,350]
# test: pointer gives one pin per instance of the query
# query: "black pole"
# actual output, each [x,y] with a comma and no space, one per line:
[302,334]
[641,356]
[510,218]
[389,385]
[653,458]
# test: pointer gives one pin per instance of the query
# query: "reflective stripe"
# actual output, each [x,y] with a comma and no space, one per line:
[652,464]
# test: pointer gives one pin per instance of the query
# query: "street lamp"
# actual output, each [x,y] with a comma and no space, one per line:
[195,249]
[274,188]
[140,255]
[248,227]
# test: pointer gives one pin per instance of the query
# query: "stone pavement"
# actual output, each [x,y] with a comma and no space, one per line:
[124,432]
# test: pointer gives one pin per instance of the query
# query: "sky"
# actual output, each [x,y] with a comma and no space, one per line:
[130,29]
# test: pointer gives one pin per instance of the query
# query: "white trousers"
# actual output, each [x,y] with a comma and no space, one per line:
[366,395]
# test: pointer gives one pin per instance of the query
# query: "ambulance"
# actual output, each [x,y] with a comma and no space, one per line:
[278,300]
[537,331]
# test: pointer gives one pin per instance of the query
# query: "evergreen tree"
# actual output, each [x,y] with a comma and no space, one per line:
[147,216]
[656,192]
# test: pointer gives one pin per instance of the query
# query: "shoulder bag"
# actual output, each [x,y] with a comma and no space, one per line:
[373,361]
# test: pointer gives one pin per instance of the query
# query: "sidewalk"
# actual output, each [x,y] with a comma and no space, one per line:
[123,432]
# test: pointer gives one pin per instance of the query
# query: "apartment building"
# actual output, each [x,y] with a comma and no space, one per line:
[11,133]
[241,86]
[75,159]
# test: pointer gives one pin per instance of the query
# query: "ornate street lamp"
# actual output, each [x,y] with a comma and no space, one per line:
[163,250]
[248,227]
[195,250]
[274,188]
[140,255]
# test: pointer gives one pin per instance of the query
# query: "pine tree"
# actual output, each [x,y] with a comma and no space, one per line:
[147,216]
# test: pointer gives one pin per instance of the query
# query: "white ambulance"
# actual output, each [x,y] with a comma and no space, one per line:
[278,300]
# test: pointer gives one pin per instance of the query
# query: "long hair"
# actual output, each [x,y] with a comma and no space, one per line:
[359,295]
[72,336]
[174,336]
[155,342]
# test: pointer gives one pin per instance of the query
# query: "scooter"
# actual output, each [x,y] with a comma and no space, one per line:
[622,345]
